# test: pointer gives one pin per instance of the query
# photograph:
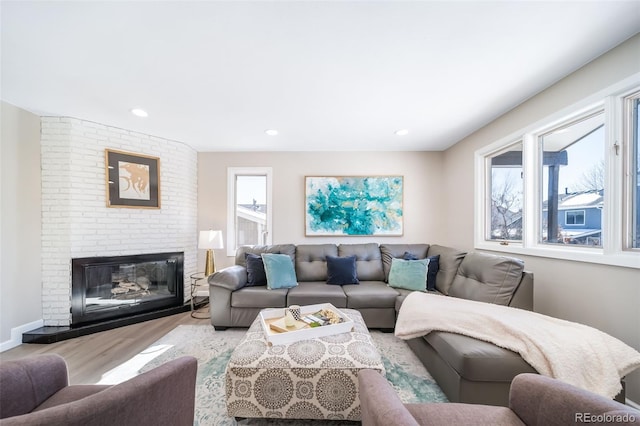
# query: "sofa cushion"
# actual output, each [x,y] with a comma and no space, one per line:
[310,293]
[370,294]
[449,262]
[288,249]
[368,260]
[487,278]
[409,274]
[255,270]
[391,251]
[477,360]
[404,293]
[279,270]
[259,297]
[311,261]
[341,270]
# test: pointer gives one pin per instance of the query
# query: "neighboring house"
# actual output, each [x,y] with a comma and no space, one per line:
[505,224]
[580,217]
[252,220]
[579,220]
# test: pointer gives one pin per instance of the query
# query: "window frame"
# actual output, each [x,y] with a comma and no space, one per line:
[232,174]
[615,221]
[628,167]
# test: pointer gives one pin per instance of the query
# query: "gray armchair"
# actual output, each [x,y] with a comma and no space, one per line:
[533,400]
[36,391]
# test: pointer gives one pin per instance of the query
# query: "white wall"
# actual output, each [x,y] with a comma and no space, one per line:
[605,297]
[422,191]
[76,221]
[20,279]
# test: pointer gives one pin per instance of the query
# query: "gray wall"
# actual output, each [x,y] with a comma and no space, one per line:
[20,225]
[605,297]
[422,191]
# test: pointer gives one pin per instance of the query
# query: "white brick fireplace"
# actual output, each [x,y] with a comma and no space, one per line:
[76,221]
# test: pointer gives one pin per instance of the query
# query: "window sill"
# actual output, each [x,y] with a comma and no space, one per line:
[577,254]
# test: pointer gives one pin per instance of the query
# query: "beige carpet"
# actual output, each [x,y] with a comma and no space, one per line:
[213,350]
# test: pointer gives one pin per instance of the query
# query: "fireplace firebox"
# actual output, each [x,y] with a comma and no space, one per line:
[105,288]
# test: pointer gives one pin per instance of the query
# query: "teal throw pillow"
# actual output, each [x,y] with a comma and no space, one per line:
[409,274]
[279,270]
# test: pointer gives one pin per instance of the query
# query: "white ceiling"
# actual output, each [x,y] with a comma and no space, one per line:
[331,75]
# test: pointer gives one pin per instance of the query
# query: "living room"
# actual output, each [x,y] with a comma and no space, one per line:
[54,201]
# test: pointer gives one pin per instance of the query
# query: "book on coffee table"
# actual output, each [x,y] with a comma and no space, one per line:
[279,325]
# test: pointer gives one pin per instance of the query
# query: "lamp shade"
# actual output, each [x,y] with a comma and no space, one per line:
[210,240]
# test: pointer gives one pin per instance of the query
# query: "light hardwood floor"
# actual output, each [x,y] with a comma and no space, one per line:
[89,357]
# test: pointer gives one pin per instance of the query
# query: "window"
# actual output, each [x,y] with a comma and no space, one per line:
[567,186]
[505,187]
[572,155]
[249,207]
[574,217]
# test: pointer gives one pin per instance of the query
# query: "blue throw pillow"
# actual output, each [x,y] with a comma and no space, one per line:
[255,270]
[342,270]
[279,270]
[409,274]
[432,271]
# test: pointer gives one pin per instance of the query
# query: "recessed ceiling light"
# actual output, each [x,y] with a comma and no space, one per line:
[402,132]
[271,132]
[139,112]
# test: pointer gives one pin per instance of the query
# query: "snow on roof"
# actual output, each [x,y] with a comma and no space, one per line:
[587,199]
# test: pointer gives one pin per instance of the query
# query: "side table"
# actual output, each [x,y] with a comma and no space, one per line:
[199,288]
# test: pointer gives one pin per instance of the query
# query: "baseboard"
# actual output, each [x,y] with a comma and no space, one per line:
[16,334]
[632,404]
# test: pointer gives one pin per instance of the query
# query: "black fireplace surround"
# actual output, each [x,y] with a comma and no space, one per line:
[105,288]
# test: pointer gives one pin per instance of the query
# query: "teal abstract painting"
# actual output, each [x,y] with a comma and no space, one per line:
[354,205]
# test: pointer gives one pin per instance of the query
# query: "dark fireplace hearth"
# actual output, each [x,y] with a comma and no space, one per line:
[105,288]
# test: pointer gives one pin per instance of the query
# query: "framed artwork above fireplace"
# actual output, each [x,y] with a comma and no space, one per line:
[133,180]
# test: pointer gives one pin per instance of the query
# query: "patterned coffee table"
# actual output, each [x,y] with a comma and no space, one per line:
[309,379]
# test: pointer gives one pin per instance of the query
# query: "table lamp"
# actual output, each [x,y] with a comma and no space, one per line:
[210,240]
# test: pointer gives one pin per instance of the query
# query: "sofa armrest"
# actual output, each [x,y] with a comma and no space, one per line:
[541,400]
[232,277]
[164,395]
[27,382]
[379,403]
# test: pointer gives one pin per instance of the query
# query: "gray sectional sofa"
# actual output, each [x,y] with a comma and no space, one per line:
[468,370]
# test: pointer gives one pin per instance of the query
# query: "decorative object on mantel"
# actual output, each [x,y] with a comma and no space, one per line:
[353,205]
[133,180]
[210,240]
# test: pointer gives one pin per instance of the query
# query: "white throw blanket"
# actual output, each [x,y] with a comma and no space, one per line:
[572,352]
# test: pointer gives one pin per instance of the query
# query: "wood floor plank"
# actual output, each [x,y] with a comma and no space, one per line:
[89,357]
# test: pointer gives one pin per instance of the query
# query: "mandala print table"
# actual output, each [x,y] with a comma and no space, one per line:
[309,379]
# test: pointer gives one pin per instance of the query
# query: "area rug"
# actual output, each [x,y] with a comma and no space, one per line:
[213,349]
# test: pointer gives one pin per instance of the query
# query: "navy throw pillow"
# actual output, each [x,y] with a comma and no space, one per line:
[255,270]
[432,269]
[342,270]
[409,256]
[432,272]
